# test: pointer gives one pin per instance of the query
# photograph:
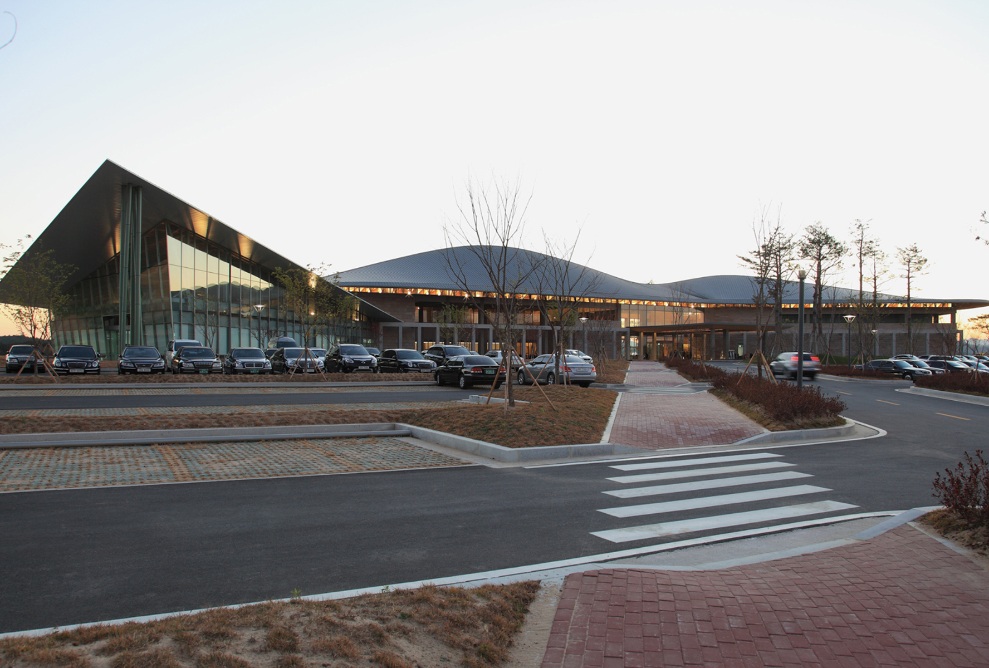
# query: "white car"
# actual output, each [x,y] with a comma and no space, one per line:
[581,354]
[785,364]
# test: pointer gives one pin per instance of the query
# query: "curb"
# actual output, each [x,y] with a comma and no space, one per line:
[851,431]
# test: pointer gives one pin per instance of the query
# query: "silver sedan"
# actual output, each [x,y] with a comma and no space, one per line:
[573,369]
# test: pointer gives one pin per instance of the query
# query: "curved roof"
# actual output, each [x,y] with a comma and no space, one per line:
[432,270]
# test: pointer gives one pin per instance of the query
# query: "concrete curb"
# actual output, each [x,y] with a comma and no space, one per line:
[948,396]
[851,431]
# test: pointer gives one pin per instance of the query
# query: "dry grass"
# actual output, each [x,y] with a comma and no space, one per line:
[759,416]
[430,626]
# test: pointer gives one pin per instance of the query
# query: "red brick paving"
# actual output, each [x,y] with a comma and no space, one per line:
[901,598]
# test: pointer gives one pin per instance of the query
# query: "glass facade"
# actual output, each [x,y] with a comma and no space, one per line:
[192,288]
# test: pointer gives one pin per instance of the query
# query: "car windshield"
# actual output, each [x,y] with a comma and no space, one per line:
[318,352]
[293,352]
[79,352]
[408,354]
[140,351]
[20,350]
[190,352]
[247,353]
[353,350]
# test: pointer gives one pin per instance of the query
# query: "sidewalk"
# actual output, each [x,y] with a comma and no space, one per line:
[879,598]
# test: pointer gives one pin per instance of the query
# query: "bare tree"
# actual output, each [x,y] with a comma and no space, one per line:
[484,240]
[314,301]
[913,264]
[759,262]
[865,250]
[563,285]
[825,253]
[453,322]
[34,287]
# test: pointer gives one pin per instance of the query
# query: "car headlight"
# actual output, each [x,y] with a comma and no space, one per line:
[217,364]
[127,363]
[93,364]
[348,360]
[267,364]
[58,362]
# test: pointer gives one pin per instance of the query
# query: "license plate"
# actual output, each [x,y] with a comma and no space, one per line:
[144,370]
[363,368]
[75,370]
[489,372]
[204,371]
[254,370]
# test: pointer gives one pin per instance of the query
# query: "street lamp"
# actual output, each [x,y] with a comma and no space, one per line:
[848,341]
[583,323]
[802,275]
[259,308]
[875,344]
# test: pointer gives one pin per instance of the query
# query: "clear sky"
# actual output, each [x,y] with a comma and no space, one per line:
[344,132]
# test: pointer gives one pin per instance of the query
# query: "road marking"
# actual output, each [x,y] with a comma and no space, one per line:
[883,401]
[696,485]
[677,463]
[956,417]
[695,473]
[712,501]
[664,529]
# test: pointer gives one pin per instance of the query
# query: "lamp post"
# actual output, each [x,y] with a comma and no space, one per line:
[848,341]
[583,323]
[875,344]
[802,275]
[259,308]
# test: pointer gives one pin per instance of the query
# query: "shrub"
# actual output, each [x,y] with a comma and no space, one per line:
[974,383]
[782,402]
[964,490]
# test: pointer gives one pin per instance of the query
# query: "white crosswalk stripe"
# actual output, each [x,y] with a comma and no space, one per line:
[761,491]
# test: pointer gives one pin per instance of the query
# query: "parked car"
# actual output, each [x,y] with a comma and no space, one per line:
[174,346]
[580,353]
[140,359]
[196,359]
[442,352]
[403,360]
[320,355]
[246,360]
[785,364]
[905,356]
[921,364]
[373,351]
[20,356]
[949,365]
[77,359]
[469,370]
[499,357]
[573,369]
[901,368]
[976,366]
[294,360]
[347,357]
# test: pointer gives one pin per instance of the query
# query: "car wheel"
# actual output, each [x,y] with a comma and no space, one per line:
[439,380]
[463,383]
[521,378]
[908,376]
[550,379]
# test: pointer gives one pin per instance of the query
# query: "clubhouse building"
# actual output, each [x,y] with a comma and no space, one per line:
[149,268]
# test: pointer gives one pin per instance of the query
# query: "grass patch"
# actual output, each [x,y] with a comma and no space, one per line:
[430,626]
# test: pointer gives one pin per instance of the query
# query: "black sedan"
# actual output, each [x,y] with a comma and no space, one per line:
[469,370]
[19,357]
[140,359]
[902,368]
[246,360]
[949,366]
[295,360]
[404,360]
[196,359]
[77,359]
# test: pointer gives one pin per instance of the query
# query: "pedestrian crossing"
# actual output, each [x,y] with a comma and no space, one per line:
[769,491]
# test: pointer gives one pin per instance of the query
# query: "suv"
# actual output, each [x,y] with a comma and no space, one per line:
[785,364]
[20,357]
[349,357]
[174,346]
[439,354]
[77,359]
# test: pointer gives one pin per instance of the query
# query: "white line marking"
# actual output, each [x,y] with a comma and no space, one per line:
[694,462]
[696,473]
[712,501]
[664,529]
[696,485]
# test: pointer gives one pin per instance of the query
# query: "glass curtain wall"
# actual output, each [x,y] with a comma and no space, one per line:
[191,288]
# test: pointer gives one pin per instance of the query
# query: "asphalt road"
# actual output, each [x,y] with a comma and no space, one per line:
[79,556]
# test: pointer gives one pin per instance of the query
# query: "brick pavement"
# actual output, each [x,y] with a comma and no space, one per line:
[668,421]
[108,466]
[899,599]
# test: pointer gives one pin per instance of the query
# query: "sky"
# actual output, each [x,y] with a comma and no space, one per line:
[344,133]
